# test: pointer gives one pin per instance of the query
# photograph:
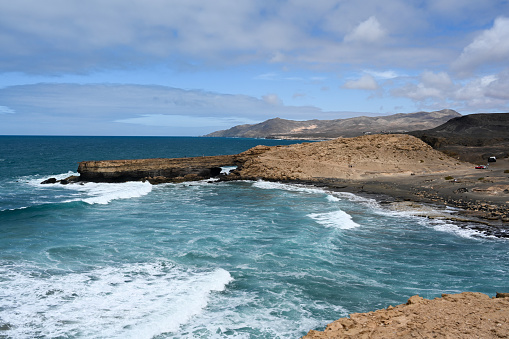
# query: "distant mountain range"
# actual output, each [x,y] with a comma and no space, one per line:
[327,129]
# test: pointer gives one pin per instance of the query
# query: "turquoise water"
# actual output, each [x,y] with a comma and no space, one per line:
[208,259]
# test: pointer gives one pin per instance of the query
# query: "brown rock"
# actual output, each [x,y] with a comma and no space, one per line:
[465,315]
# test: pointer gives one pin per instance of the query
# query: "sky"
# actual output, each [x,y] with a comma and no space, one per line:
[188,68]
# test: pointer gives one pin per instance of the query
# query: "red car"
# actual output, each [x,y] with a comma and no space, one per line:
[481,167]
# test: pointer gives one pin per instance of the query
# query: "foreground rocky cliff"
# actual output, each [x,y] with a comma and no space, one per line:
[466,315]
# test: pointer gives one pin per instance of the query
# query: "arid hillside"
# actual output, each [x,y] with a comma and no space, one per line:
[473,138]
[363,157]
[329,129]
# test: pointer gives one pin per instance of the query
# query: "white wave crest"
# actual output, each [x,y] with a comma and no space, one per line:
[332,198]
[104,193]
[338,219]
[443,226]
[131,301]
[288,187]
[227,169]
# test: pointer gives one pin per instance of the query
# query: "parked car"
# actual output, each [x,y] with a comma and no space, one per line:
[492,159]
[481,167]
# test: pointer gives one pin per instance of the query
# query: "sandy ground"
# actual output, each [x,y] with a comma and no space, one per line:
[361,158]
[455,316]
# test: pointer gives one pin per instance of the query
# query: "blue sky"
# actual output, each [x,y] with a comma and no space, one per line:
[167,67]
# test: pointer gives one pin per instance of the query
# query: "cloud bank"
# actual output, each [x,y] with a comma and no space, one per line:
[137,110]
[57,37]
[257,59]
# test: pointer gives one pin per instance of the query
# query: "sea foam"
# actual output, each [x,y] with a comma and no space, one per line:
[104,193]
[338,219]
[331,197]
[130,301]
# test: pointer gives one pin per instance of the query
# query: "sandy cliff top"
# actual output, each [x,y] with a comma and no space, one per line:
[362,157]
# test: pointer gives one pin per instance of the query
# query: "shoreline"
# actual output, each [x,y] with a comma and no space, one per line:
[483,217]
[398,166]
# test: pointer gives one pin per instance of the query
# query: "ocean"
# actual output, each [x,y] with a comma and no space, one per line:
[247,259]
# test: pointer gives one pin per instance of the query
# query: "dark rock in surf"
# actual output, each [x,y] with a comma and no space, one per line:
[49,181]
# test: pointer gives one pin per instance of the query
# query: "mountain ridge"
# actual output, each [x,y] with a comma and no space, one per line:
[472,138]
[277,128]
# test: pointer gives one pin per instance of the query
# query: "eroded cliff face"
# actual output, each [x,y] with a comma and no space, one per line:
[163,170]
[154,170]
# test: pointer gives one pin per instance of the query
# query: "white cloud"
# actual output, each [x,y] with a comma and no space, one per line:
[432,86]
[439,80]
[389,74]
[267,76]
[499,87]
[369,31]
[437,90]
[365,82]
[272,99]
[6,110]
[491,46]
[57,37]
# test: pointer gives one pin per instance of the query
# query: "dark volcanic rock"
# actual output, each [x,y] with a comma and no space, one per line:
[473,138]
[49,181]
[481,129]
